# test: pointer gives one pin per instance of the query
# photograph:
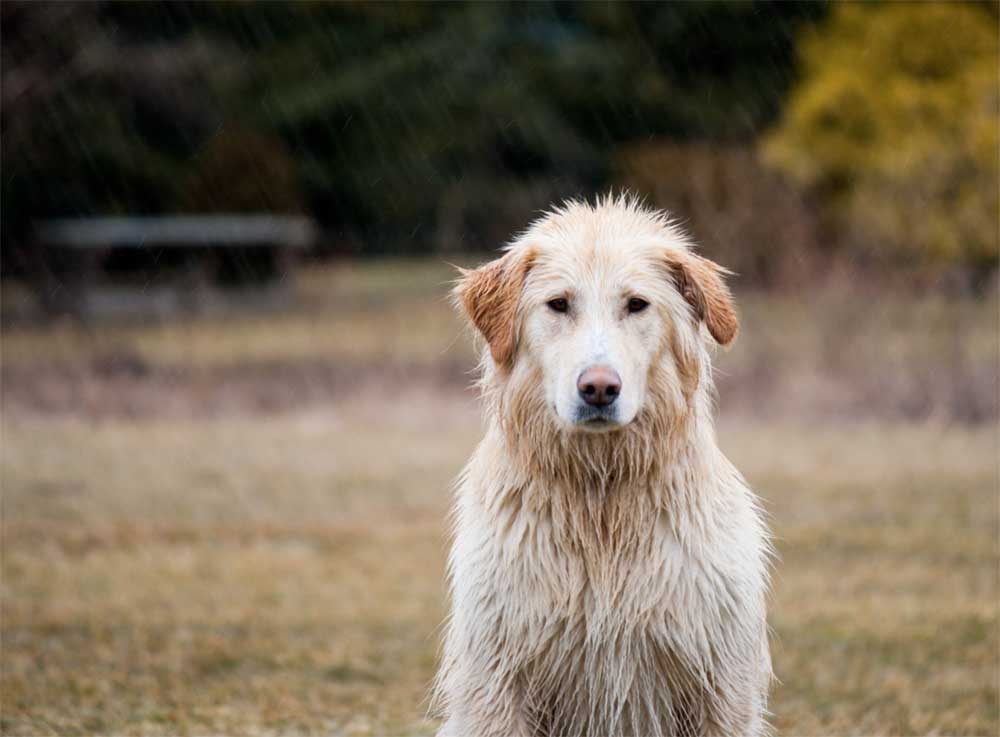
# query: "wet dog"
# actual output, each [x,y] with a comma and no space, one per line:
[609,568]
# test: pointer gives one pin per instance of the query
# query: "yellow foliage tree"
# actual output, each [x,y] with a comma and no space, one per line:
[895,124]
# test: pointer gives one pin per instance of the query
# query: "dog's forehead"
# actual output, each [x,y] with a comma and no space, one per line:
[600,245]
[595,263]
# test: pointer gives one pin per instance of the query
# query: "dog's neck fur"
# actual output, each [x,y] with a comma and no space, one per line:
[663,466]
[605,506]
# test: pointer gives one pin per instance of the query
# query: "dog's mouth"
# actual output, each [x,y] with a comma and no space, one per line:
[596,419]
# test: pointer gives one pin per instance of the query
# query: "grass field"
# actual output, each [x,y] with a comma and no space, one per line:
[190,546]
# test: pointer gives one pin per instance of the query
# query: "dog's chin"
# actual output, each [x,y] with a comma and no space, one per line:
[597,426]
[596,420]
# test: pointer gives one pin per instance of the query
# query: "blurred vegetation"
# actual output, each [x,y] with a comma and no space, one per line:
[241,171]
[895,124]
[747,217]
[409,123]
[407,128]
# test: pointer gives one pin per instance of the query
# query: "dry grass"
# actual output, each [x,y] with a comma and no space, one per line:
[226,577]
[286,575]
[393,310]
[282,571]
[835,354]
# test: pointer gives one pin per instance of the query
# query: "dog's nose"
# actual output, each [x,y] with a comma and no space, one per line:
[599,386]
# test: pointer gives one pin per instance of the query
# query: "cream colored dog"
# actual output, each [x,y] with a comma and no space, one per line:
[610,566]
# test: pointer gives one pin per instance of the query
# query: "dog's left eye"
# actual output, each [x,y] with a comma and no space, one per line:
[637,305]
[558,305]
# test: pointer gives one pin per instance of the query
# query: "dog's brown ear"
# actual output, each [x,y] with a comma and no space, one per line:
[489,295]
[700,282]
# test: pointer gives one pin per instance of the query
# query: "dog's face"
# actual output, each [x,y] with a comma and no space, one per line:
[592,324]
[594,305]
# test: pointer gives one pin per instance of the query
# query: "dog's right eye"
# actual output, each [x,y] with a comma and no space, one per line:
[558,305]
[637,304]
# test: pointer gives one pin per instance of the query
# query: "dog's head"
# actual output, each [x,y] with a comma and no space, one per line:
[598,315]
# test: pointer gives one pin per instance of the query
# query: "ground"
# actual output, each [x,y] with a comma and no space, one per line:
[238,525]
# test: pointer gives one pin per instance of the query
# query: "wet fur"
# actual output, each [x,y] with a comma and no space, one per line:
[605,584]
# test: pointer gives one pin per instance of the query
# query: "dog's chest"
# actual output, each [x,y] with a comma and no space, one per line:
[609,618]
[576,586]
[600,623]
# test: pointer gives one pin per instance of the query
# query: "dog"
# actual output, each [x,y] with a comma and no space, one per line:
[609,569]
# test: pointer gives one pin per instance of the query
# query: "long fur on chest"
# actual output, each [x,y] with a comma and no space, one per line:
[622,595]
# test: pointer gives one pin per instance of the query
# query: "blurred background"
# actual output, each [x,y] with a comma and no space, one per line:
[234,394]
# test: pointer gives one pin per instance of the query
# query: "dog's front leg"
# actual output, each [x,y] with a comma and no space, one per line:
[480,704]
[740,710]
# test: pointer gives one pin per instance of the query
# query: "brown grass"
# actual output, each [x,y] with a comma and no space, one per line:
[834,354]
[280,569]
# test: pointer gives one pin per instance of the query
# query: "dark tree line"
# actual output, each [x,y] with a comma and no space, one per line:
[401,127]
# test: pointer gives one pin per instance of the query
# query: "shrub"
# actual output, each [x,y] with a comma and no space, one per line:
[894,126]
[241,171]
[747,218]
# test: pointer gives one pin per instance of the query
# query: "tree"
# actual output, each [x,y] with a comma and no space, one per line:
[398,118]
[422,116]
[895,124]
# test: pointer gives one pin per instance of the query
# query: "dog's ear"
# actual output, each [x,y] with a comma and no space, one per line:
[490,295]
[700,282]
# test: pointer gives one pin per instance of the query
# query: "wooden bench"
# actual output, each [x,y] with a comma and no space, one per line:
[137,265]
